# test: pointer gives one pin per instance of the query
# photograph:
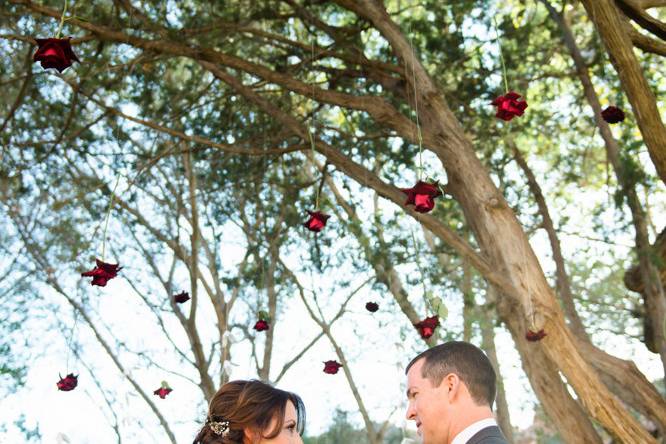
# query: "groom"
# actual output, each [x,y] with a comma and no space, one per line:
[451,389]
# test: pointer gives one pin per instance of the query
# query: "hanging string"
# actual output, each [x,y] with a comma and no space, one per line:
[416,107]
[499,44]
[62,20]
[108,213]
[418,265]
[69,341]
[313,122]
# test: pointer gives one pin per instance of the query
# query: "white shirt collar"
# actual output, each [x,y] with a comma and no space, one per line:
[473,429]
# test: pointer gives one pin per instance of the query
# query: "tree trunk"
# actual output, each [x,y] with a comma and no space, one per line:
[468,301]
[622,377]
[563,285]
[655,301]
[566,413]
[265,370]
[606,17]
[488,345]
[500,235]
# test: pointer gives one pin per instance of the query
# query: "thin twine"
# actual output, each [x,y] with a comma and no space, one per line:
[416,107]
[62,20]
[108,213]
[313,123]
[499,44]
[418,265]
[69,341]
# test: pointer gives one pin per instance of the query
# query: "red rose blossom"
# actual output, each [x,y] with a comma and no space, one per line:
[54,53]
[427,326]
[162,392]
[68,383]
[261,325]
[613,114]
[422,196]
[102,273]
[317,221]
[331,367]
[181,297]
[508,106]
[372,307]
[535,336]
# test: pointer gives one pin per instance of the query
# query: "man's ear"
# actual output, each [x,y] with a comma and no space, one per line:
[452,384]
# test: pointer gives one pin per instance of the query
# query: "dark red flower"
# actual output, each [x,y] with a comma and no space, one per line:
[67,383]
[508,106]
[181,297]
[162,392]
[372,307]
[331,367]
[317,221]
[613,114]
[261,325]
[54,53]
[102,273]
[535,336]
[427,326]
[422,196]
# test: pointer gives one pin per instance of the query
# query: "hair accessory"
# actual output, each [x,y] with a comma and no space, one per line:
[219,427]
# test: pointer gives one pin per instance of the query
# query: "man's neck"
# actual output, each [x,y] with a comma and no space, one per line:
[467,418]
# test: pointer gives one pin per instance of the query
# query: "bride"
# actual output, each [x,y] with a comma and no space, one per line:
[253,412]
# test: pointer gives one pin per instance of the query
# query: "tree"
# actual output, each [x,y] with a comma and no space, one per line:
[334,83]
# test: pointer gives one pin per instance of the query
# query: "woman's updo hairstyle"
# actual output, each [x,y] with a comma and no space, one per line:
[240,405]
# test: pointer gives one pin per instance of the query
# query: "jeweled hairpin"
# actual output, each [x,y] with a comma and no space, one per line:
[219,427]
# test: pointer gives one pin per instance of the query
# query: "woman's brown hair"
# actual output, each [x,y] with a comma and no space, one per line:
[249,405]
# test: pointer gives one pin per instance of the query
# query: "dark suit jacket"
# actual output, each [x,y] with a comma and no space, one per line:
[489,435]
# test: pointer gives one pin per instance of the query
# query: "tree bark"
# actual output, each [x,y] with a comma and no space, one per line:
[606,17]
[488,345]
[468,301]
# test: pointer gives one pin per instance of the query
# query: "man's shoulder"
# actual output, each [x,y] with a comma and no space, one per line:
[488,435]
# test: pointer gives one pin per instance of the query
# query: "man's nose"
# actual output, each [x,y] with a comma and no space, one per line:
[411,412]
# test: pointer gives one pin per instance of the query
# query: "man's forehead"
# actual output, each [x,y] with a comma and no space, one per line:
[414,376]
[416,369]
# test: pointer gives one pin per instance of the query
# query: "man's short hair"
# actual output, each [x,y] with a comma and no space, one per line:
[465,360]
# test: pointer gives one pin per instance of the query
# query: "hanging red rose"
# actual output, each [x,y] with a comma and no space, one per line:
[427,326]
[181,297]
[317,221]
[508,106]
[535,336]
[331,367]
[68,383]
[372,307]
[163,391]
[612,114]
[102,273]
[422,196]
[261,325]
[55,53]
